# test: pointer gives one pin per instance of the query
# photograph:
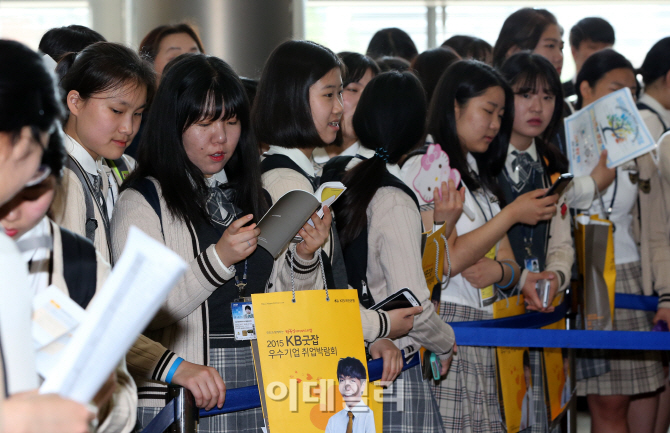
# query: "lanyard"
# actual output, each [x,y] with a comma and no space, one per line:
[241,285]
[480,206]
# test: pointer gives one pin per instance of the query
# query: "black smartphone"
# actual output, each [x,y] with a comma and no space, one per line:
[403,298]
[559,186]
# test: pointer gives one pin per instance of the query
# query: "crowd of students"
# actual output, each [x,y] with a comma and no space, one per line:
[95,137]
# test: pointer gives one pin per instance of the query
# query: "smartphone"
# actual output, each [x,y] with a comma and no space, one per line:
[543,288]
[403,298]
[559,186]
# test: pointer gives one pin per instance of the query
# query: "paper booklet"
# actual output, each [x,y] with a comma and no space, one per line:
[286,217]
[613,123]
[145,273]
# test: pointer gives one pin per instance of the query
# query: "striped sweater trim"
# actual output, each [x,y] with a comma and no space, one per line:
[208,265]
[165,360]
[298,267]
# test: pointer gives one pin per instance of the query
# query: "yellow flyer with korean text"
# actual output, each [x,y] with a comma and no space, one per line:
[433,262]
[514,373]
[556,372]
[312,365]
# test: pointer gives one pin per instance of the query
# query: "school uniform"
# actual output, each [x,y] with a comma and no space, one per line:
[547,244]
[46,267]
[321,157]
[69,208]
[393,262]
[467,397]
[305,176]
[195,322]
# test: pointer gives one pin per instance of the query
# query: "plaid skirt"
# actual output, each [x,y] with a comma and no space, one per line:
[467,397]
[409,406]
[236,366]
[632,372]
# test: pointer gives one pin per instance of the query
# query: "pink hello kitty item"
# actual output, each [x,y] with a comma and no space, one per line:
[434,170]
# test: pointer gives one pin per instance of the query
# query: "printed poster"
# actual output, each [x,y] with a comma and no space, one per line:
[514,373]
[556,372]
[312,365]
[433,263]
[613,123]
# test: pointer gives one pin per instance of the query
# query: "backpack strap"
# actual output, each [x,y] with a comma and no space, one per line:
[91,222]
[270,162]
[119,167]
[79,267]
[643,106]
[148,190]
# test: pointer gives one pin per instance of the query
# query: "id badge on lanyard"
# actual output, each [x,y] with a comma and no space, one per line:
[243,311]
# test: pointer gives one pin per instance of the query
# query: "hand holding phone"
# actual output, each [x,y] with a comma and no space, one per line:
[559,186]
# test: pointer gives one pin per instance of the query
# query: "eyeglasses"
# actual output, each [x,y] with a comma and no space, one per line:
[43,171]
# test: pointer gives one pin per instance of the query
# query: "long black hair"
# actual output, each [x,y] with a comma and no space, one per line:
[389,118]
[28,92]
[596,66]
[357,65]
[430,65]
[523,71]
[463,81]
[392,42]
[523,29]
[195,87]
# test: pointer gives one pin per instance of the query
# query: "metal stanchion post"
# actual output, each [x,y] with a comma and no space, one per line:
[185,412]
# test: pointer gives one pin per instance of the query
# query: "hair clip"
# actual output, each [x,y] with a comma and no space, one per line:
[382,153]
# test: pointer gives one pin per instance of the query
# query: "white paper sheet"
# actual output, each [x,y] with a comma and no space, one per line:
[613,123]
[138,285]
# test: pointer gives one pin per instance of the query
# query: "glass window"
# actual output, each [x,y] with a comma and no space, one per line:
[27,21]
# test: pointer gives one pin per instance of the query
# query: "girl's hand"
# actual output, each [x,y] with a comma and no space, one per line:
[530,208]
[402,320]
[448,204]
[483,273]
[205,383]
[31,412]
[446,363]
[601,174]
[392,357]
[533,301]
[238,242]
[314,237]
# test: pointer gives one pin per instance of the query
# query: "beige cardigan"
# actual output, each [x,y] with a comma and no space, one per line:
[282,180]
[178,328]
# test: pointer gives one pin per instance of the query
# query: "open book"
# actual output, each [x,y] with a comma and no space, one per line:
[613,123]
[286,217]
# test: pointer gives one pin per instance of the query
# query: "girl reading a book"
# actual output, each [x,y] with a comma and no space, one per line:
[380,226]
[298,107]
[107,88]
[197,189]
[471,118]
[624,398]
[543,251]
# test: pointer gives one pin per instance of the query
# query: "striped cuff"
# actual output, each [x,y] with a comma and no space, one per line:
[165,366]
[302,268]
[209,269]
[664,301]
[384,324]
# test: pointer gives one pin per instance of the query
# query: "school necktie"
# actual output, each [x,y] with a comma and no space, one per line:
[97,193]
[350,424]
[524,166]
[220,205]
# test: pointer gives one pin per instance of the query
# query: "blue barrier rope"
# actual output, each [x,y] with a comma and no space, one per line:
[248,397]
[636,302]
[510,337]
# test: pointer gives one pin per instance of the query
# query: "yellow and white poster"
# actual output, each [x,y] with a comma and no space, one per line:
[556,372]
[311,363]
